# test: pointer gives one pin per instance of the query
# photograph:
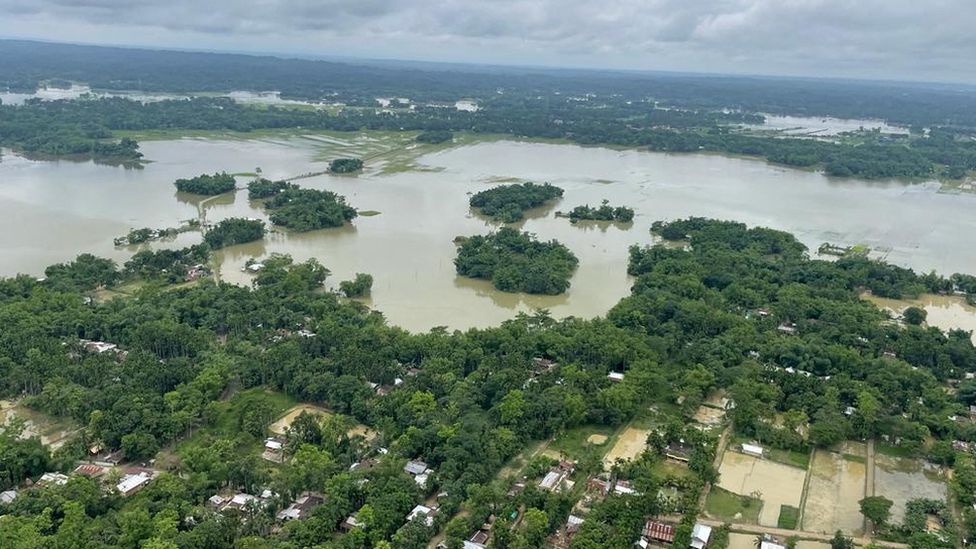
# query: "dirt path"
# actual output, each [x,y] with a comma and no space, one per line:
[723,442]
[779,532]
[869,483]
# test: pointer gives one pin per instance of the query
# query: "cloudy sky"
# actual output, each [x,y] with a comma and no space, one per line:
[889,39]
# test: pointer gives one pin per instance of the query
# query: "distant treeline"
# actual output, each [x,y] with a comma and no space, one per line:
[26,65]
[87,126]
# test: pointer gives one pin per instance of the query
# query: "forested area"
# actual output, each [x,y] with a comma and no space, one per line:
[508,203]
[206,184]
[25,65]
[468,408]
[203,365]
[50,127]
[517,262]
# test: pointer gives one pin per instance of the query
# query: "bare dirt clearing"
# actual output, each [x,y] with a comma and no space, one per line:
[629,445]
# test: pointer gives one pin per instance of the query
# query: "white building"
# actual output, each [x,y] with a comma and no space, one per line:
[8,496]
[424,512]
[132,483]
[699,536]
[752,450]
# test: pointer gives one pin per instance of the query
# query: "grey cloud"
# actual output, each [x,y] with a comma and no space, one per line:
[874,38]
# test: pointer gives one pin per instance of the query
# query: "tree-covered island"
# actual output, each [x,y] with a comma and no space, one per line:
[508,203]
[206,184]
[517,262]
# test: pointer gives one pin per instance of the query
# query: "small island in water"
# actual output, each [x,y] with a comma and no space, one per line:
[345,165]
[516,262]
[605,212]
[206,184]
[508,203]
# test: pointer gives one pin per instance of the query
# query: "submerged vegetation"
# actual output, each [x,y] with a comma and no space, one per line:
[358,286]
[508,203]
[233,231]
[605,212]
[206,184]
[516,262]
[309,209]
[345,165]
[265,188]
[435,137]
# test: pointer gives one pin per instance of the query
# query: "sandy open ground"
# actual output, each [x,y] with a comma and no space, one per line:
[901,480]
[836,486]
[629,445]
[53,432]
[706,415]
[284,422]
[778,484]
[597,439]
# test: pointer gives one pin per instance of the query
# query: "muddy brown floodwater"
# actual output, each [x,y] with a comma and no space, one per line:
[50,211]
[836,486]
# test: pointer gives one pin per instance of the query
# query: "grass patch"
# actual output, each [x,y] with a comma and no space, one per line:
[669,469]
[855,458]
[893,451]
[788,517]
[573,442]
[724,505]
[790,457]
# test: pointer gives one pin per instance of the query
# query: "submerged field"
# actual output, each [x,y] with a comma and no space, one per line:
[836,485]
[777,485]
[901,480]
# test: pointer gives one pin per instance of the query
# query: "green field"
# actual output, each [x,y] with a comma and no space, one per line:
[573,442]
[788,517]
[724,505]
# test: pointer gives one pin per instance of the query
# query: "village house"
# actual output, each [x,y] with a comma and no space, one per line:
[770,542]
[350,523]
[700,535]
[424,513]
[8,496]
[615,376]
[787,328]
[132,483]
[90,470]
[274,450]
[656,532]
[554,479]
[678,451]
[419,471]
[752,450]
[51,479]
[301,507]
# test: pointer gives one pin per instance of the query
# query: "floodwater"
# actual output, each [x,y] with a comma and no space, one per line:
[946,312]
[836,486]
[50,211]
[823,126]
[774,483]
[902,480]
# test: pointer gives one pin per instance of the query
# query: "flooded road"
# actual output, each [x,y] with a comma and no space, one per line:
[50,211]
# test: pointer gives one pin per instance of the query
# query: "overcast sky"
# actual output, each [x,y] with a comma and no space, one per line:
[889,39]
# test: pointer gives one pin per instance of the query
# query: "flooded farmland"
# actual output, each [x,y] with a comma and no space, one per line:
[54,210]
[836,486]
[946,312]
[774,483]
[902,480]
